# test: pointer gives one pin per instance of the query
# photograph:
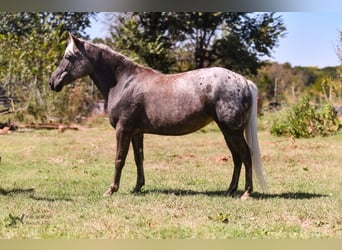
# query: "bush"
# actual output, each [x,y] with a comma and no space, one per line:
[307,120]
[72,102]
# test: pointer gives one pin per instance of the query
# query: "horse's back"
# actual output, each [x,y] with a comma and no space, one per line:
[184,102]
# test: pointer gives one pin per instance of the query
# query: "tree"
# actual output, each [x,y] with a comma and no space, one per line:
[232,40]
[142,37]
[32,45]
[248,37]
[23,23]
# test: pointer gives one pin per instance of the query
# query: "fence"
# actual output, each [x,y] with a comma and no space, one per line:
[6,105]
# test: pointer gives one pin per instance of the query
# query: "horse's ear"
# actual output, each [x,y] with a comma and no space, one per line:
[73,39]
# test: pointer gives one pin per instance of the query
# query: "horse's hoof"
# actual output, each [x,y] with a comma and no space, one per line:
[245,196]
[230,192]
[109,192]
[137,190]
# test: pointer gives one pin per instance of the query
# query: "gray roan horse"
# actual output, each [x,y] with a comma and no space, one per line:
[142,100]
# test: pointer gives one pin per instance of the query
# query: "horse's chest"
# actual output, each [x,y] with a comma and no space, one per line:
[122,108]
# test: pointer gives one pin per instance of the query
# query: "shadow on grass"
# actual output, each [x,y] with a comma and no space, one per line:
[33,197]
[289,195]
[16,191]
[182,192]
[31,193]
[223,193]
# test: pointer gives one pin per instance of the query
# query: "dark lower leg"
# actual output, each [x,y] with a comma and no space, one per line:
[236,175]
[249,175]
[240,151]
[137,142]
[247,161]
[123,141]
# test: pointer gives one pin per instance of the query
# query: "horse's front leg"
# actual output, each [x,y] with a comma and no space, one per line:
[122,140]
[138,148]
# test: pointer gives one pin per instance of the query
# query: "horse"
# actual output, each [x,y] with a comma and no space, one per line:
[141,100]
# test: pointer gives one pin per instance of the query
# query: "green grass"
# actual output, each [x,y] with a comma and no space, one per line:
[51,186]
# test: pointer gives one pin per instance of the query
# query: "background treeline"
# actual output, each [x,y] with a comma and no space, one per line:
[32,45]
[286,84]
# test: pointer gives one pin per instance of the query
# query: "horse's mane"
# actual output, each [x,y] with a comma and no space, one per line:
[114,55]
[110,54]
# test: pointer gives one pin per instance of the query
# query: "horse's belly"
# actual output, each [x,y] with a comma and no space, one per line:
[174,123]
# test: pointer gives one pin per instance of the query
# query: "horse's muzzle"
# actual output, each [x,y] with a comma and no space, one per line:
[51,85]
[55,87]
[57,80]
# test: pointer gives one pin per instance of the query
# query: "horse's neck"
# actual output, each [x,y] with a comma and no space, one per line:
[108,69]
[102,84]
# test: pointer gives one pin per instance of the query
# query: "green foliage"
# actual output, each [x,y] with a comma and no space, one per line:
[23,23]
[284,83]
[72,103]
[307,120]
[232,40]
[31,45]
[247,38]
[153,51]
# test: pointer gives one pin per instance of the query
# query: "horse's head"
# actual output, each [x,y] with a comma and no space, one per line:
[74,65]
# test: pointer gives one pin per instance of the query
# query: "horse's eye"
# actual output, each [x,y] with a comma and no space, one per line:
[68,56]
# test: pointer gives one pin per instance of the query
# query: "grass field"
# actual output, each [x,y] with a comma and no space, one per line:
[51,186]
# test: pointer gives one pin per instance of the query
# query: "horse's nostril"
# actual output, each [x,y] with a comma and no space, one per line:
[51,85]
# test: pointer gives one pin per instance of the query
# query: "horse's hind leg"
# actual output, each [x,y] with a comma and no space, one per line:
[241,154]
[138,148]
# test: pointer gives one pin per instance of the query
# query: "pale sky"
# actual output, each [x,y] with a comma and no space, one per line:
[311,40]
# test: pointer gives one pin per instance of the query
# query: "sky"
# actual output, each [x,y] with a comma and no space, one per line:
[311,39]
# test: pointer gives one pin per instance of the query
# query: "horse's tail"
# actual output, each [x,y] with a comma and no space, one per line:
[252,138]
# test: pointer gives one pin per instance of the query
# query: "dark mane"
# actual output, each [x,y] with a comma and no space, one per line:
[118,57]
[124,59]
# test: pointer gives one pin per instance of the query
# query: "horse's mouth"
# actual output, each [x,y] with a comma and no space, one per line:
[56,88]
